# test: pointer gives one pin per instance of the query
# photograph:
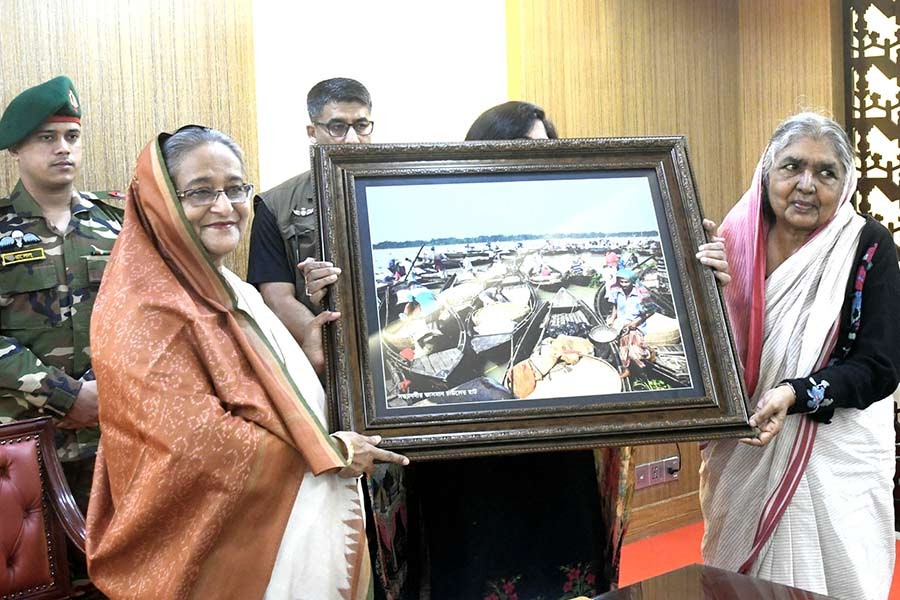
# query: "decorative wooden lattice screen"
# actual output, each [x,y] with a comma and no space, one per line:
[873,121]
[873,106]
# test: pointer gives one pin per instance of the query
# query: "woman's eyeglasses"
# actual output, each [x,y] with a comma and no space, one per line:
[339,129]
[236,194]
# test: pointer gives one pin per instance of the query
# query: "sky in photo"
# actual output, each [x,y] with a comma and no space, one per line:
[469,209]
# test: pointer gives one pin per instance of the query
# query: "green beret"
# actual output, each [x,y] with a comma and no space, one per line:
[52,100]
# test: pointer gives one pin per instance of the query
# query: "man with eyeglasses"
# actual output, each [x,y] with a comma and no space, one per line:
[285,266]
[284,238]
[54,244]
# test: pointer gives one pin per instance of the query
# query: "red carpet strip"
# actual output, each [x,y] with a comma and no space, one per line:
[672,550]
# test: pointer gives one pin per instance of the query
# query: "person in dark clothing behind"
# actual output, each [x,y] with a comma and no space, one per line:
[284,236]
[535,525]
[285,265]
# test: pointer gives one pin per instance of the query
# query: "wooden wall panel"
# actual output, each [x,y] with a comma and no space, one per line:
[721,72]
[636,67]
[671,504]
[791,59]
[140,67]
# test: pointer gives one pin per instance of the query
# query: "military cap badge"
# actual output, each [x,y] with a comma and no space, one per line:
[73,101]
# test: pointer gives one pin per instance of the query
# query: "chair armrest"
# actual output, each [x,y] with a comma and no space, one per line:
[61,498]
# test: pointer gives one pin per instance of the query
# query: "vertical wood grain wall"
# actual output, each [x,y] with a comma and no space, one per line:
[721,72]
[791,59]
[636,67]
[140,67]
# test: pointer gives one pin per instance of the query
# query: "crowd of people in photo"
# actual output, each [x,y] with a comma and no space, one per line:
[191,413]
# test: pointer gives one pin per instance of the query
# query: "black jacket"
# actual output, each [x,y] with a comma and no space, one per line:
[863,368]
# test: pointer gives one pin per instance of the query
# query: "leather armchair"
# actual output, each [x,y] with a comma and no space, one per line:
[37,512]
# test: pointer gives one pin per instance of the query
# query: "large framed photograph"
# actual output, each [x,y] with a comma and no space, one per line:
[502,297]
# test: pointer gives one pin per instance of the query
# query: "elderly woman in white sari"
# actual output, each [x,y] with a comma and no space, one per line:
[815,307]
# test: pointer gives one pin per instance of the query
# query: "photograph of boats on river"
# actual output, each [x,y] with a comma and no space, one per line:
[522,289]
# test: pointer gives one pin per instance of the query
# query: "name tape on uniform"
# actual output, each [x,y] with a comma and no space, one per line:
[12,258]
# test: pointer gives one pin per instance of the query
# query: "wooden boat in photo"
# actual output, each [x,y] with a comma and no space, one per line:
[466,254]
[392,296]
[565,317]
[393,385]
[670,367]
[481,261]
[502,312]
[447,263]
[460,296]
[584,278]
[427,348]
[664,336]
[663,292]
[550,282]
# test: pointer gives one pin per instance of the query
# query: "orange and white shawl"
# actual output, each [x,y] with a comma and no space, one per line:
[211,450]
[813,509]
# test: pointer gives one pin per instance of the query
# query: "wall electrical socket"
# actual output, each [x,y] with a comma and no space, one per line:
[641,476]
[657,472]
[671,468]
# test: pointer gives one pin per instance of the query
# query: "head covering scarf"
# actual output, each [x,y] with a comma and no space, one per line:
[206,439]
[745,230]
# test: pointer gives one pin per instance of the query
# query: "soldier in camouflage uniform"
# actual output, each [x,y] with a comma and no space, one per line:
[54,244]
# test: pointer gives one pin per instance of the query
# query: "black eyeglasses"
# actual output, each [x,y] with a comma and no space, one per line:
[339,129]
[236,194]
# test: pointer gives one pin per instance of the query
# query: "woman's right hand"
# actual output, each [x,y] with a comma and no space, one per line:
[712,254]
[365,452]
[317,275]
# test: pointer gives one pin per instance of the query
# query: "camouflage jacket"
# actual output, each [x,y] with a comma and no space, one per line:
[48,283]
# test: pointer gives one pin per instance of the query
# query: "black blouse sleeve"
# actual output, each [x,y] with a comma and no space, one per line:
[865,364]
[267,261]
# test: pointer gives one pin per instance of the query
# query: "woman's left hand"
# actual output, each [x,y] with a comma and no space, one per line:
[712,253]
[770,414]
[364,453]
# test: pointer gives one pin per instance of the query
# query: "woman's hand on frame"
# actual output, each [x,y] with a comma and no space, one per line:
[712,253]
[363,453]
[770,414]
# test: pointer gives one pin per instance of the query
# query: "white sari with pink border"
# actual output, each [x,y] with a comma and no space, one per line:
[814,508]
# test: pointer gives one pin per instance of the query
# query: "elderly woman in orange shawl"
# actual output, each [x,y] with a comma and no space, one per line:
[215,475]
[813,304]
